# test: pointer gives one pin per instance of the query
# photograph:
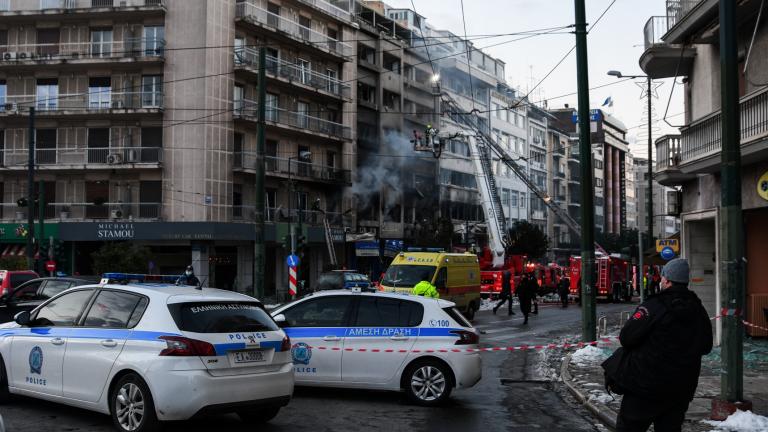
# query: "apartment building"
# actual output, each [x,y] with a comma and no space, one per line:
[395,189]
[146,127]
[633,202]
[691,160]
[664,224]
[563,187]
[609,151]
[538,127]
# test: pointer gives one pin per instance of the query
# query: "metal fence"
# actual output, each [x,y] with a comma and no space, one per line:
[83,156]
[667,152]
[97,99]
[130,47]
[247,108]
[293,72]
[252,11]
[295,168]
[678,9]
[84,211]
[655,28]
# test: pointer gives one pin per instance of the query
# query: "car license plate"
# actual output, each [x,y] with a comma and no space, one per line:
[250,356]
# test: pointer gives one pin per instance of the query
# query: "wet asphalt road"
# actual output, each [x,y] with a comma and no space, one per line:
[512,396]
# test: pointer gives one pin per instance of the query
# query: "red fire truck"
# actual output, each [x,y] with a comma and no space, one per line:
[490,277]
[612,276]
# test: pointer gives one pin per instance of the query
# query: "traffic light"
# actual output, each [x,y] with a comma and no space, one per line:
[287,242]
[301,246]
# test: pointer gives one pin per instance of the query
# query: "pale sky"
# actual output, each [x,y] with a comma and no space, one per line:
[616,43]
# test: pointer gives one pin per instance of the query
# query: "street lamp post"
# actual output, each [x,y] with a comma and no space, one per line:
[649,90]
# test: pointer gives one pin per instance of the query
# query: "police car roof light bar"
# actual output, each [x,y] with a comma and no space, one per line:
[423,249]
[125,278]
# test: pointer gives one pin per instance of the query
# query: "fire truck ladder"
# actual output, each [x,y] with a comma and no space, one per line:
[329,242]
[471,121]
[494,211]
[602,271]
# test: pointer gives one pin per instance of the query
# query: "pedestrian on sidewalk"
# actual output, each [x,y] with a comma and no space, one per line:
[506,293]
[657,369]
[526,292]
[564,288]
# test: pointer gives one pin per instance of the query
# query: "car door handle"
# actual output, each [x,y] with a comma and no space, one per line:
[57,341]
[109,343]
[331,338]
[398,337]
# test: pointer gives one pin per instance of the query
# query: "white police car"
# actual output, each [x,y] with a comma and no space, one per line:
[382,341]
[146,353]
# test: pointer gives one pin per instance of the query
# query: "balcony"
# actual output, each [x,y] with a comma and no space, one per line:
[662,60]
[686,20]
[76,212]
[130,51]
[254,14]
[246,109]
[330,9]
[248,59]
[294,168]
[84,158]
[283,215]
[97,101]
[700,144]
[76,9]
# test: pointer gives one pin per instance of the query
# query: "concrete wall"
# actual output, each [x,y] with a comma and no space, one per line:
[699,247]
[704,192]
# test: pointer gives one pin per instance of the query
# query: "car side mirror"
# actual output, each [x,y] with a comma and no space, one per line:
[22,318]
[280,320]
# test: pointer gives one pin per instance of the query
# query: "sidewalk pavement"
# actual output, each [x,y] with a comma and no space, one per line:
[582,374]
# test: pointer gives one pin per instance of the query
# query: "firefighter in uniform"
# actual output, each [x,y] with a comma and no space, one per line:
[657,369]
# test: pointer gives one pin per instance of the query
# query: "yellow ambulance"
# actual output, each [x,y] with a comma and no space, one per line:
[455,275]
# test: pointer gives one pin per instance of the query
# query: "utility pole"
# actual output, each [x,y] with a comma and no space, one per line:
[732,266]
[640,275]
[31,192]
[259,248]
[39,265]
[650,170]
[588,301]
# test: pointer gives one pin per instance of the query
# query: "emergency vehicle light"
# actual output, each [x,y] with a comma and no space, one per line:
[137,278]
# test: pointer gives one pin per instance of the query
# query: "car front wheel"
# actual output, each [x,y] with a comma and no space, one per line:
[131,406]
[428,383]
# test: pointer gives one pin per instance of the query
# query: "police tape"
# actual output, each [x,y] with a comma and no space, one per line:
[604,341]
[749,324]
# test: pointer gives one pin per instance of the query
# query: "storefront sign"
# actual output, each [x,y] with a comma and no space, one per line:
[367,248]
[17,232]
[762,186]
[393,247]
[673,244]
[116,231]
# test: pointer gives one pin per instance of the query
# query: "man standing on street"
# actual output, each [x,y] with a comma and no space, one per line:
[188,278]
[663,343]
[506,293]
[526,292]
[564,288]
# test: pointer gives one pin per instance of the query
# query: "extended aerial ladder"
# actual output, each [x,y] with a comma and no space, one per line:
[491,202]
[471,121]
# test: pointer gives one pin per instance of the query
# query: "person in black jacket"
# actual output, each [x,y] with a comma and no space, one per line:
[564,288]
[663,342]
[506,293]
[526,293]
[188,278]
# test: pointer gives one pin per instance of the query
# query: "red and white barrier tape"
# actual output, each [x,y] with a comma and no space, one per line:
[473,350]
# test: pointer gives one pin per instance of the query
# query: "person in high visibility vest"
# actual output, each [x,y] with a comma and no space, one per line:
[425,289]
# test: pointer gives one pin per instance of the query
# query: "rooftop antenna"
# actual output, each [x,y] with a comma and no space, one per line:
[202,282]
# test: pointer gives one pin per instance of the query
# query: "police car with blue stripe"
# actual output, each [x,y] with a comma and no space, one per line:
[382,341]
[149,352]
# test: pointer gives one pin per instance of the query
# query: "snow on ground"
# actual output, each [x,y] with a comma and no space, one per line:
[488,304]
[600,396]
[588,355]
[746,421]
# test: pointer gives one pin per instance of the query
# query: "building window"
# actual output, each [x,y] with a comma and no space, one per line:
[522,199]
[330,159]
[98,145]
[513,199]
[47,94]
[302,110]
[101,42]
[154,40]
[333,81]
[239,50]
[3,40]
[305,70]
[238,99]
[150,198]
[151,144]
[48,41]
[3,94]
[272,110]
[237,200]
[99,92]
[305,27]
[151,91]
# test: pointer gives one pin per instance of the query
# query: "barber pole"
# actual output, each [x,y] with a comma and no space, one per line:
[292,281]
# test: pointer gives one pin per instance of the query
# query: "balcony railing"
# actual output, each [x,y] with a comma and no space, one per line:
[98,99]
[655,28]
[329,8]
[247,108]
[667,152]
[295,73]
[282,214]
[112,156]
[677,9]
[294,168]
[702,138]
[251,11]
[42,5]
[85,211]
[131,47]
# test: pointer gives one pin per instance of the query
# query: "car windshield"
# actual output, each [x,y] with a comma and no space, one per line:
[407,275]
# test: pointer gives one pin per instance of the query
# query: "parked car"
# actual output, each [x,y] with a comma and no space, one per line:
[10,279]
[343,279]
[31,294]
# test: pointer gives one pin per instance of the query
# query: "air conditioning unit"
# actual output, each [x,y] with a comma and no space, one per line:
[115,158]
[8,56]
[116,214]
[11,107]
